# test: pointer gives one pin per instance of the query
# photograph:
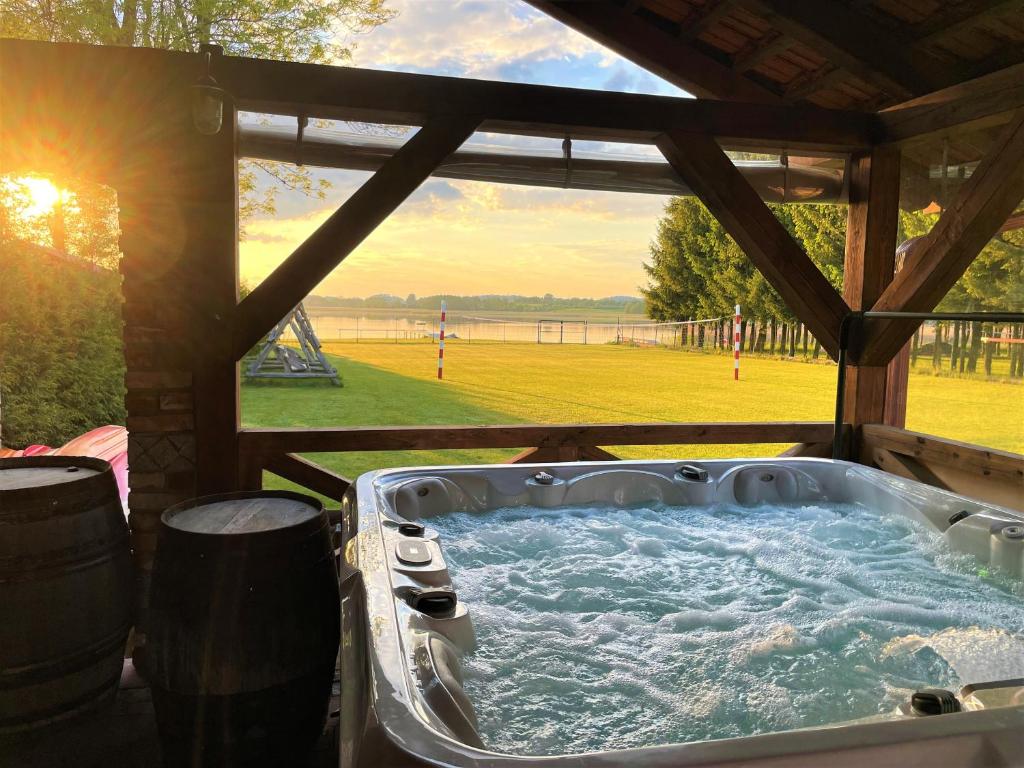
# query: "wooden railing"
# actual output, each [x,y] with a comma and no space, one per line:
[972,470]
[275,450]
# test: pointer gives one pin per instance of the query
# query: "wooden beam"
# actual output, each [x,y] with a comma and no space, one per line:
[345,93]
[715,180]
[309,475]
[981,207]
[593,453]
[853,41]
[979,103]
[1015,221]
[908,467]
[810,83]
[808,450]
[988,462]
[960,16]
[673,58]
[872,220]
[546,455]
[212,293]
[347,227]
[271,442]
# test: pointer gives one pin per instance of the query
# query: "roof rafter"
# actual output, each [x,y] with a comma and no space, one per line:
[963,15]
[857,43]
[671,57]
[965,106]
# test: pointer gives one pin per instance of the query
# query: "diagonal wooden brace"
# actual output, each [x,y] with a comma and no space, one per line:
[709,172]
[982,206]
[346,228]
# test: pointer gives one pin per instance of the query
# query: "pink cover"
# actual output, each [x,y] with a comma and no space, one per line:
[109,443]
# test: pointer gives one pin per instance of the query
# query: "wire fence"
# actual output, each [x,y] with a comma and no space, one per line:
[941,347]
[697,334]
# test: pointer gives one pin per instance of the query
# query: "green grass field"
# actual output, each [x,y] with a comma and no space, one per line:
[389,384]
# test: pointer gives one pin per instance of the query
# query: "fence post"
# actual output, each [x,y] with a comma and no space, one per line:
[736,344]
[440,343]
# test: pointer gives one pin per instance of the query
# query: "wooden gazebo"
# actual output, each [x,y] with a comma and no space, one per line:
[898,87]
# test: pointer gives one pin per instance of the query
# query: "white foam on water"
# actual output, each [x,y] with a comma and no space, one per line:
[605,628]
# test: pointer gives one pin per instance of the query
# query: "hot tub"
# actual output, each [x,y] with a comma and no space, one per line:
[413,692]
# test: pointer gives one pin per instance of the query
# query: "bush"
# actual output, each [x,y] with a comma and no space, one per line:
[61,357]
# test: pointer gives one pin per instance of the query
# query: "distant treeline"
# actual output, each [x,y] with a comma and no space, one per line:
[492,303]
[696,270]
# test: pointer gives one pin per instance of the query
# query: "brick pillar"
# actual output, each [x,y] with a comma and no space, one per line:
[180,270]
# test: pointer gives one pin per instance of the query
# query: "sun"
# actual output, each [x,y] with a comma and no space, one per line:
[42,195]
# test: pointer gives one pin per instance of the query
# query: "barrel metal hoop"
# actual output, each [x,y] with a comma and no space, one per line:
[51,669]
[57,570]
[67,503]
[87,702]
[56,562]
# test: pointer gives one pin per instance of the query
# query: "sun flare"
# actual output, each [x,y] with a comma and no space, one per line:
[42,195]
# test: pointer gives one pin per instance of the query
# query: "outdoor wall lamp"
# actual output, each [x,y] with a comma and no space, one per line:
[208,97]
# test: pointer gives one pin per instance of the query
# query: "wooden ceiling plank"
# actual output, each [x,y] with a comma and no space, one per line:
[812,82]
[853,41]
[770,45]
[667,56]
[346,228]
[981,207]
[692,29]
[713,177]
[967,106]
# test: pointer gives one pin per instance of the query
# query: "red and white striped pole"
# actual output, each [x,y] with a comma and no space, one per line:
[440,342]
[736,345]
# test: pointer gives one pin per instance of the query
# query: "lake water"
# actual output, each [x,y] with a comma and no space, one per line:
[367,327]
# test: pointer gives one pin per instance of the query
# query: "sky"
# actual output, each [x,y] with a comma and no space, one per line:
[460,237]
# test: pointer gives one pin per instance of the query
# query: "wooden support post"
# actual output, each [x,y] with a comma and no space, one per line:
[982,206]
[213,209]
[869,265]
[347,227]
[710,173]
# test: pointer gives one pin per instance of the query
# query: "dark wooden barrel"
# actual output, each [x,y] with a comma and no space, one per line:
[65,591]
[243,629]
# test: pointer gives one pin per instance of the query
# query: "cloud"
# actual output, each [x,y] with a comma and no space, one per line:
[470,237]
[498,40]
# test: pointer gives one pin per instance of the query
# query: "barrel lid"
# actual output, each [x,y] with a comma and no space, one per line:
[247,514]
[18,474]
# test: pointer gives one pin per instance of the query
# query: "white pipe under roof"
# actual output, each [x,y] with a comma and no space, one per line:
[796,180]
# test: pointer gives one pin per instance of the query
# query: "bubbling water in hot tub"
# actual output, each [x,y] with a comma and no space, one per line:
[603,628]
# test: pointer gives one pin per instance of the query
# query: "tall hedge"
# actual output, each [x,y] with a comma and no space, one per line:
[61,358]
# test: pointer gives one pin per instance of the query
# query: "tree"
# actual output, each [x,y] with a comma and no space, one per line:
[294,30]
[697,270]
